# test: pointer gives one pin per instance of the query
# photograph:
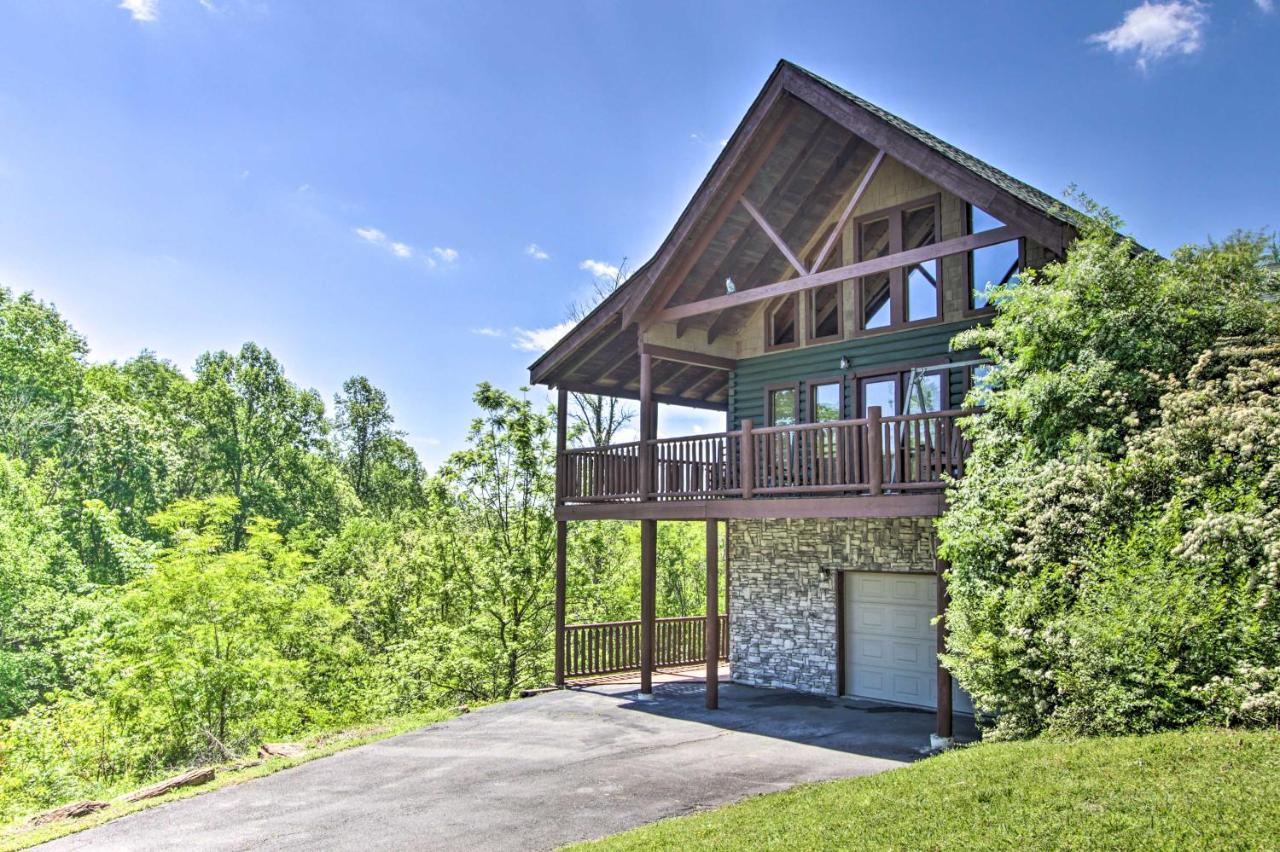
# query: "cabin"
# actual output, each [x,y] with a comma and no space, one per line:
[810,291]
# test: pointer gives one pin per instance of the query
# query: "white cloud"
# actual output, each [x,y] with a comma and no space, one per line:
[400,249]
[1266,5]
[599,268]
[535,251]
[1157,30]
[141,10]
[373,235]
[540,339]
[488,332]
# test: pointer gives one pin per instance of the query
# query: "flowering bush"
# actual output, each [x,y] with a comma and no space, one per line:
[1115,543]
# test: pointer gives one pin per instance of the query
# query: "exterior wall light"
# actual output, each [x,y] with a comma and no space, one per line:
[845,363]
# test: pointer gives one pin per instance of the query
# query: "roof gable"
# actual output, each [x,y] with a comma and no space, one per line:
[792,96]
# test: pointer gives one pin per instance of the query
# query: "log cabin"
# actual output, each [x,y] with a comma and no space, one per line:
[810,291]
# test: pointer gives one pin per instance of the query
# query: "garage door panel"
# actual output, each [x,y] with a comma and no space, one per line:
[910,622]
[890,639]
[882,650]
[885,587]
[886,684]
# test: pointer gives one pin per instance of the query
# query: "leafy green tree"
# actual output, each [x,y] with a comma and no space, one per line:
[41,374]
[39,576]
[384,470]
[501,518]
[215,647]
[258,428]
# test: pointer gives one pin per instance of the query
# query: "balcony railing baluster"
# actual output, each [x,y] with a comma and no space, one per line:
[873,455]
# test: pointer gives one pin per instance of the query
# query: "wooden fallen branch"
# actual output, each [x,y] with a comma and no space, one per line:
[280,750]
[191,778]
[71,811]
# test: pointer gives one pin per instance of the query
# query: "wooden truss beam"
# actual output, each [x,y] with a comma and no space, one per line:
[719,325]
[730,261]
[959,245]
[867,175]
[773,236]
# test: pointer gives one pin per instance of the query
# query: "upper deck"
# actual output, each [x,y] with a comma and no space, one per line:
[890,466]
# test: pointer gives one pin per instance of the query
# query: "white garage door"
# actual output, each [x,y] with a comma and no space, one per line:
[890,641]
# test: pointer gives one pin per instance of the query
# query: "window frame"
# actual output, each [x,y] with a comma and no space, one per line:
[770,390]
[987,309]
[811,317]
[898,374]
[898,275]
[769,311]
[811,408]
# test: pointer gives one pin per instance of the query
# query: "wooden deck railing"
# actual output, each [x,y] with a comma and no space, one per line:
[872,455]
[614,646]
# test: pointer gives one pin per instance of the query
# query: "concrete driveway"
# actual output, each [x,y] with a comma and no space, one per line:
[537,773]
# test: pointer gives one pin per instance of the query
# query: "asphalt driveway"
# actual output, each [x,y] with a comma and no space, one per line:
[537,773]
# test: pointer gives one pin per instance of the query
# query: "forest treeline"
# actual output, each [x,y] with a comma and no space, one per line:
[192,564]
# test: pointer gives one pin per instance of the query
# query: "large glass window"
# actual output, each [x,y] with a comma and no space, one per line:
[919,228]
[882,392]
[824,312]
[904,295]
[923,392]
[825,402]
[781,324]
[873,242]
[782,407]
[991,266]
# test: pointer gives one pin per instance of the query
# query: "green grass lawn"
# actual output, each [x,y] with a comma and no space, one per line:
[1192,790]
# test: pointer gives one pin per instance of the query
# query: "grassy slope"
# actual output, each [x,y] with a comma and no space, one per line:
[18,836]
[1199,789]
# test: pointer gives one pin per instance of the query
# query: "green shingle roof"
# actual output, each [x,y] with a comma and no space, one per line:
[1024,192]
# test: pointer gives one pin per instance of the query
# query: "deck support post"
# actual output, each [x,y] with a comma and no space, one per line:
[945,731]
[648,528]
[712,640]
[562,530]
[648,601]
[875,451]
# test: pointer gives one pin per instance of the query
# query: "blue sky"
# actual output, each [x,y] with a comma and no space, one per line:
[357,185]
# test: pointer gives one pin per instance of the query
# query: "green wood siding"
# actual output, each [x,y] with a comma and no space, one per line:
[746,386]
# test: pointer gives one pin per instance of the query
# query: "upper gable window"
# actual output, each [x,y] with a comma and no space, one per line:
[905,295]
[780,324]
[825,310]
[991,266]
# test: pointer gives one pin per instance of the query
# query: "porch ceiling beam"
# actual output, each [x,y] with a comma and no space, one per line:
[669,281]
[867,175]
[731,257]
[634,394]
[722,322]
[959,245]
[701,359]
[702,376]
[627,357]
[773,236]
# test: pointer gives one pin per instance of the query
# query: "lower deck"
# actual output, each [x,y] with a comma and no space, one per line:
[840,607]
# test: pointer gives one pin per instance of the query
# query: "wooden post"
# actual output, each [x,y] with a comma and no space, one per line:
[648,424]
[648,601]
[713,615]
[875,459]
[562,530]
[945,727]
[748,460]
